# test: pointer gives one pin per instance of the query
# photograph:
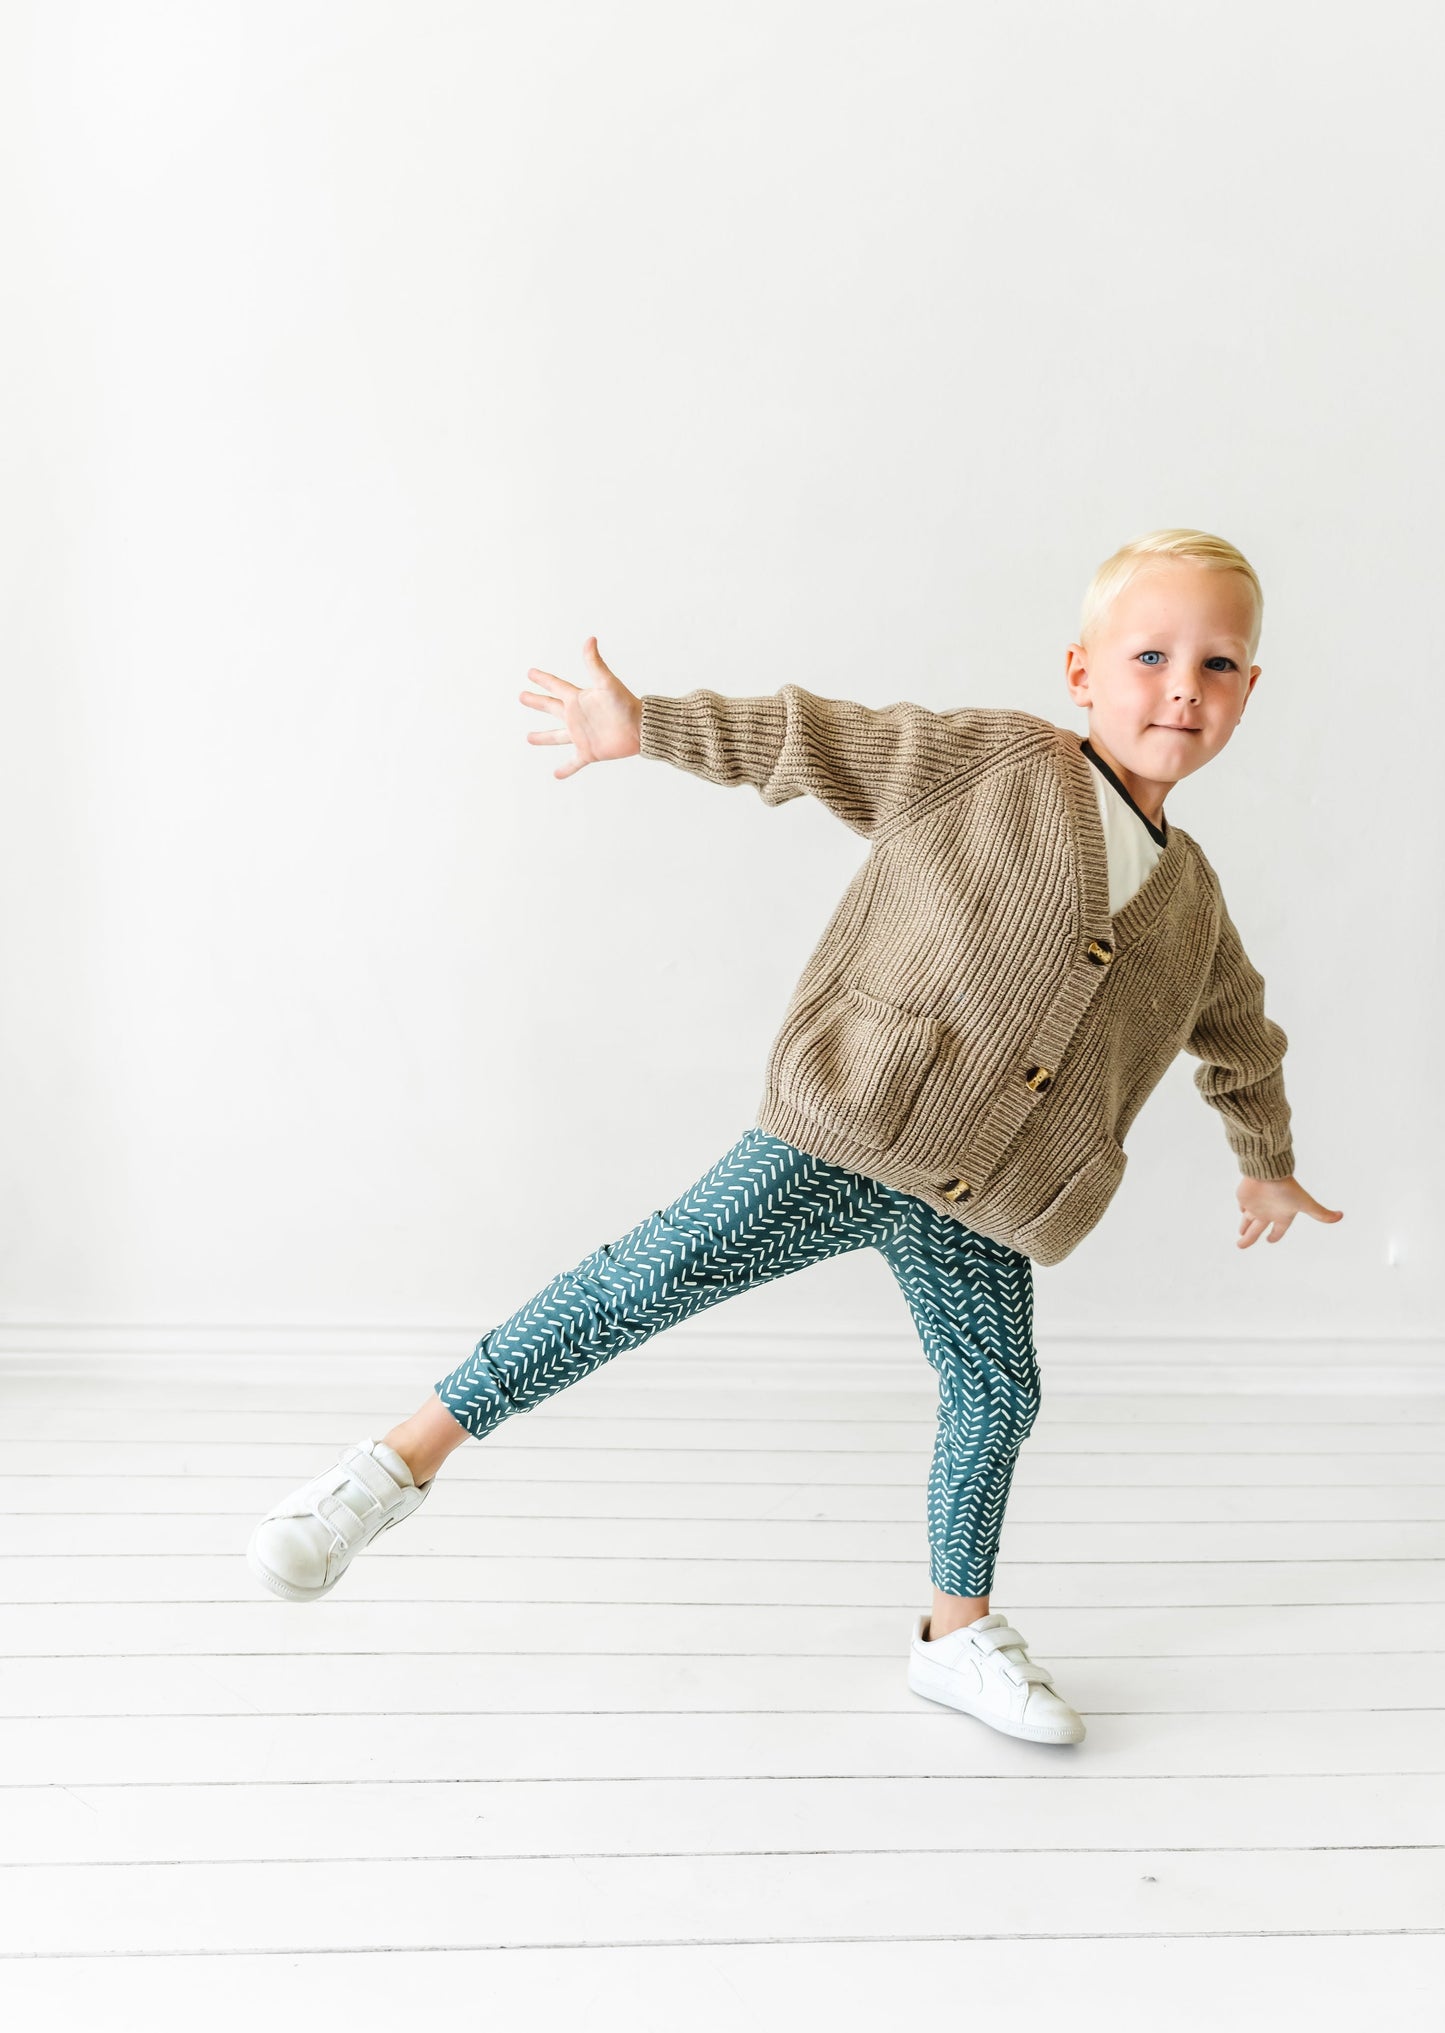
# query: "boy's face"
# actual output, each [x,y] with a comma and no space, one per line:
[1168,675]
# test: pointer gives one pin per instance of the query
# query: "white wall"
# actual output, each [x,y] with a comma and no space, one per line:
[359,355]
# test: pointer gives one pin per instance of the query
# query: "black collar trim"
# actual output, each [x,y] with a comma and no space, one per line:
[1159,834]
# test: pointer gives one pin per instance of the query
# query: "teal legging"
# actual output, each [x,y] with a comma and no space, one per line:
[764,1209]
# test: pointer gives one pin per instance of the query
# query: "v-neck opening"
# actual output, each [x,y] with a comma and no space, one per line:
[1153,893]
[1158,834]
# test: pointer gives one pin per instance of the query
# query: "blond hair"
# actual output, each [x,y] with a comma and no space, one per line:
[1116,572]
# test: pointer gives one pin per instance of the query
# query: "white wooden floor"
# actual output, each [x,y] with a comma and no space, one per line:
[615,1731]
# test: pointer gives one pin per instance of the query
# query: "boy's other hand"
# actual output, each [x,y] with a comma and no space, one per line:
[602,722]
[1273,1204]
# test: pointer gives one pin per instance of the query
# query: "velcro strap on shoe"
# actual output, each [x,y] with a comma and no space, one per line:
[306,1500]
[997,1638]
[342,1521]
[368,1471]
[1023,1671]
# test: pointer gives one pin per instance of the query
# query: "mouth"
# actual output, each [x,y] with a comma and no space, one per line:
[1171,727]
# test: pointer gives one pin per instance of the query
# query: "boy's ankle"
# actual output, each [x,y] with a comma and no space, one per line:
[942,1623]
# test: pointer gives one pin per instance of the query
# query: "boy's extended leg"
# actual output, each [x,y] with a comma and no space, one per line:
[764,1209]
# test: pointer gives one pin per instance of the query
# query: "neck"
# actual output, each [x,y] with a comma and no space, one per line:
[1147,792]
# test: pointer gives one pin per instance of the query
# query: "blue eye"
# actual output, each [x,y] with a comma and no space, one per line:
[1214,659]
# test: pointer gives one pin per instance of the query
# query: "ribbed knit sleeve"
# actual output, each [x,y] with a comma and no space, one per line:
[1242,1050]
[865,763]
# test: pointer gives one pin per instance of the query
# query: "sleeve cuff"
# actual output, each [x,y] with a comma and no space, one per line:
[661,721]
[1280,1166]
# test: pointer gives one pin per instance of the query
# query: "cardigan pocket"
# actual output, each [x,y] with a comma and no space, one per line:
[1075,1208]
[857,1063]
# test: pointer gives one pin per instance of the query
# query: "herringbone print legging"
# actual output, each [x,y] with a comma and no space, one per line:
[764,1209]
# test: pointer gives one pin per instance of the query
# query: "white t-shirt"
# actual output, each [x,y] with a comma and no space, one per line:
[1132,843]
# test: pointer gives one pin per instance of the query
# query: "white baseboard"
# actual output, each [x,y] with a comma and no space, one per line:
[851,1356]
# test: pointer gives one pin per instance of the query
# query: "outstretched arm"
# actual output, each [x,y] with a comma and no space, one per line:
[1242,1052]
[867,764]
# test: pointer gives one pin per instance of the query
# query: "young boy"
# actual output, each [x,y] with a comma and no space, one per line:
[1024,951]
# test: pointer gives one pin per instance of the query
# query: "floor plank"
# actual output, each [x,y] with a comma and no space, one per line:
[557,1902]
[503,1457]
[584,1817]
[912,1739]
[539,1682]
[1223,1630]
[437,1531]
[1033,1499]
[1129,1984]
[725,1428]
[662,1578]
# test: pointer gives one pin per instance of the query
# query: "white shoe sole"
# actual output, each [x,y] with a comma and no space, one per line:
[940,1683]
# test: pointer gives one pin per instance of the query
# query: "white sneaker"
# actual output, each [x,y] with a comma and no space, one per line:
[984,1668]
[304,1546]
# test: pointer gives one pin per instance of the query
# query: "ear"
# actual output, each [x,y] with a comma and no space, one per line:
[1076,673]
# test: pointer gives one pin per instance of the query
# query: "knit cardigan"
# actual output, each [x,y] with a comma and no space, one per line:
[973,1027]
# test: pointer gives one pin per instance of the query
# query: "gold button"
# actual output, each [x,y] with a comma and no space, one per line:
[955,1189]
[1100,952]
[1038,1077]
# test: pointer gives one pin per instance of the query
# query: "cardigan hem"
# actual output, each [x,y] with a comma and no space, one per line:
[780,1118]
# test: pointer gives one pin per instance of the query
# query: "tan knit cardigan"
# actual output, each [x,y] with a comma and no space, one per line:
[973,1027]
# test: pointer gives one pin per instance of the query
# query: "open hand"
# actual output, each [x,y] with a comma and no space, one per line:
[1273,1204]
[603,721]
